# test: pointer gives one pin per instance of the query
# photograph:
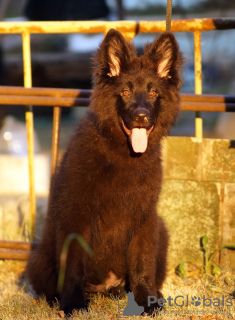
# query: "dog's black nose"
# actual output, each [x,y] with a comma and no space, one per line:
[141,117]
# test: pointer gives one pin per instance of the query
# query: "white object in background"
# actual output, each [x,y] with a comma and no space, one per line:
[83,43]
[13,138]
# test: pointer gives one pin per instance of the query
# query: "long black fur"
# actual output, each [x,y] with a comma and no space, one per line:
[105,191]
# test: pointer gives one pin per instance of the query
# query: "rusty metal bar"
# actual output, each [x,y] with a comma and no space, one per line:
[188,25]
[168,15]
[10,91]
[199,105]
[14,254]
[44,101]
[208,106]
[198,81]
[126,27]
[55,138]
[189,102]
[45,92]
[30,130]
[16,250]
[198,62]
[216,98]
[18,245]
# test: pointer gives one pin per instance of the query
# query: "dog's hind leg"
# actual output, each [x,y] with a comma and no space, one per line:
[73,296]
[42,275]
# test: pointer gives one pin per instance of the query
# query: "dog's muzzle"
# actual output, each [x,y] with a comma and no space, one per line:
[140,130]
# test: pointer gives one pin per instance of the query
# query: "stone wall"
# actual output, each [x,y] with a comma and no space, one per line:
[198,197]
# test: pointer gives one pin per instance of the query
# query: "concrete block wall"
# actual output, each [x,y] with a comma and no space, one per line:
[198,197]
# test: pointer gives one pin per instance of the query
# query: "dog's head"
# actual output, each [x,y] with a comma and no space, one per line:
[142,93]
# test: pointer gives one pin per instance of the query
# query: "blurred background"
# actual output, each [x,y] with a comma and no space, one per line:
[64,61]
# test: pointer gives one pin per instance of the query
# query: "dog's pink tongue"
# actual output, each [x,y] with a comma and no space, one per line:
[139,140]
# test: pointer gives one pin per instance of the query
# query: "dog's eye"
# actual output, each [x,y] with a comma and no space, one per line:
[153,93]
[126,93]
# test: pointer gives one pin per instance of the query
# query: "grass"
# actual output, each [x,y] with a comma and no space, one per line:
[16,301]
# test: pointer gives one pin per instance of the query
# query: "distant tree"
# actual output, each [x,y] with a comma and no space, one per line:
[217,4]
[43,10]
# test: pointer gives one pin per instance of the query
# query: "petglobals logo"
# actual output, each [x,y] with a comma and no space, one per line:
[180,301]
[131,308]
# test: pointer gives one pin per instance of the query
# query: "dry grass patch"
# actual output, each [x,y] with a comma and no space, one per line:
[16,301]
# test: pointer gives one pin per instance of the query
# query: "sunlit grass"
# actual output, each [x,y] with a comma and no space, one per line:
[16,301]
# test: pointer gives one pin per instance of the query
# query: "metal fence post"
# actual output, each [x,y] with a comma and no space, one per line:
[55,138]
[198,81]
[30,130]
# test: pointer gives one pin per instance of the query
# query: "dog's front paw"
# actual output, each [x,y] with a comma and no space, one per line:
[154,304]
[71,307]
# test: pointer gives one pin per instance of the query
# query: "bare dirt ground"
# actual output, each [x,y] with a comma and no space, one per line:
[193,298]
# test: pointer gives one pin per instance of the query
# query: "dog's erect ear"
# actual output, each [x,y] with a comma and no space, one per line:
[114,54]
[164,52]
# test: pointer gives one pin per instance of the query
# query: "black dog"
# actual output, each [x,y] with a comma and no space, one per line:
[107,185]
